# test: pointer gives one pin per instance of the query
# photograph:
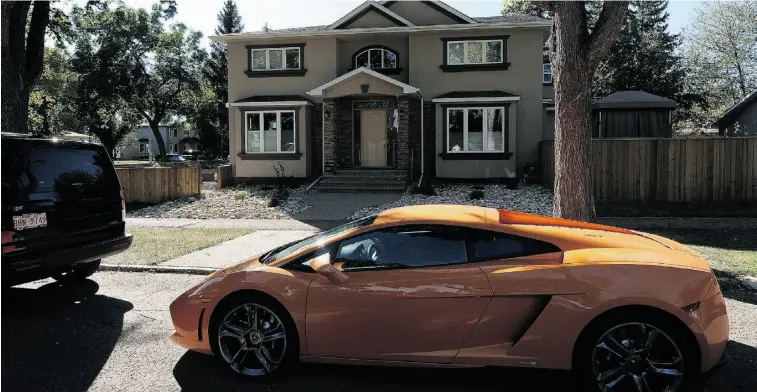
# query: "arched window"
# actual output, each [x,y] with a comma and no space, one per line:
[376,57]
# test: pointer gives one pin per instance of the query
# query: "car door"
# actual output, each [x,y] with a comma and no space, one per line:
[410,296]
[523,278]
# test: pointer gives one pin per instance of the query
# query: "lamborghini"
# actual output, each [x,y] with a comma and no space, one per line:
[464,286]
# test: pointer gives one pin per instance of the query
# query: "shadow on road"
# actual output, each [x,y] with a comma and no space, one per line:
[737,374]
[197,372]
[57,337]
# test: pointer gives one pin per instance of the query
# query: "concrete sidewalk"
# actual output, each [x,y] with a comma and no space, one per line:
[239,249]
[639,223]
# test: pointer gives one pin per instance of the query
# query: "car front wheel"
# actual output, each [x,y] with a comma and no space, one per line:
[635,352]
[254,336]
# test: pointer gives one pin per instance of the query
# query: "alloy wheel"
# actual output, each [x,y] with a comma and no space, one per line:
[637,357]
[252,340]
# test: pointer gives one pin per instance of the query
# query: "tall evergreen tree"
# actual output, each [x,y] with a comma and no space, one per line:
[216,73]
[645,57]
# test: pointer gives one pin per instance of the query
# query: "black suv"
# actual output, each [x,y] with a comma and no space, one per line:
[62,209]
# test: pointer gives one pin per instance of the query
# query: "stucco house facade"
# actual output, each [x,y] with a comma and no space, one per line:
[412,88]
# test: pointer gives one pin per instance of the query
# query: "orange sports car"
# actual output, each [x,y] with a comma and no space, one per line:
[461,286]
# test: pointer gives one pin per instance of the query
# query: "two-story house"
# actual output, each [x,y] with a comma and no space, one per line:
[414,88]
[176,142]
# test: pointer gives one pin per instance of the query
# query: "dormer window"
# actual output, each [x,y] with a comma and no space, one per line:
[377,58]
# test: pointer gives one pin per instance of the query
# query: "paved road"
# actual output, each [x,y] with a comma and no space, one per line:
[111,334]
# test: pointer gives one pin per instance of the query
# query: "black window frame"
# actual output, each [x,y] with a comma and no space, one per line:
[388,71]
[276,72]
[500,66]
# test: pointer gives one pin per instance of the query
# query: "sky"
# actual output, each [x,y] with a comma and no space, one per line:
[201,14]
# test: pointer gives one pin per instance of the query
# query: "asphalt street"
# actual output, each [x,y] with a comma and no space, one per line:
[111,334]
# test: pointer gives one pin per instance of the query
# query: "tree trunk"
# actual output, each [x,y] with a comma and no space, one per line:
[15,94]
[154,126]
[574,180]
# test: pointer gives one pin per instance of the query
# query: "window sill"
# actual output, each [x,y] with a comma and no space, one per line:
[271,73]
[273,156]
[474,67]
[474,156]
[549,84]
[385,71]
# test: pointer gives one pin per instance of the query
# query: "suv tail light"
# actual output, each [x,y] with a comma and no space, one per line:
[8,238]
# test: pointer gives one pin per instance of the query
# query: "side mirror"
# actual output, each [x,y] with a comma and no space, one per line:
[322,265]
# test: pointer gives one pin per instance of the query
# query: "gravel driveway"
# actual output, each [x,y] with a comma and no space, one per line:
[111,334]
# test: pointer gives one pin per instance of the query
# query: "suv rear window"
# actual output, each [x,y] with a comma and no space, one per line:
[49,172]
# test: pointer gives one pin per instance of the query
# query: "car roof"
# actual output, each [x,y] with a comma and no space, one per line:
[44,140]
[443,212]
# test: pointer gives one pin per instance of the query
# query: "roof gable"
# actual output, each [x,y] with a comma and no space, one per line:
[428,12]
[406,88]
[370,14]
[730,114]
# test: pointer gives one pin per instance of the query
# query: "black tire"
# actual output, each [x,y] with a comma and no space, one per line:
[672,331]
[291,348]
[78,272]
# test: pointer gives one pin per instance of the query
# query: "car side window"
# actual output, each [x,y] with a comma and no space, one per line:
[403,247]
[491,245]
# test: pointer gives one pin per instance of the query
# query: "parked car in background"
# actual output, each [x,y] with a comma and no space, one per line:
[175,158]
[192,155]
[62,209]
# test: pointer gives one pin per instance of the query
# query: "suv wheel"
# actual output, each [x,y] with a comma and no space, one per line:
[78,272]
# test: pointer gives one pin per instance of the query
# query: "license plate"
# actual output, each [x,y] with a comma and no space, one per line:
[28,221]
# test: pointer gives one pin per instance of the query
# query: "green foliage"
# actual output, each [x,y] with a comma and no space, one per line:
[645,57]
[525,7]
[213,119]
[281,192]
[128,56]
[51,100]
[720,48]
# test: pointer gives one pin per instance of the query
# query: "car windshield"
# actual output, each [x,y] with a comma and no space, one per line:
[317,239]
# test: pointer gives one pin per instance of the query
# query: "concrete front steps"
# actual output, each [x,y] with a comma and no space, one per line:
[364,180]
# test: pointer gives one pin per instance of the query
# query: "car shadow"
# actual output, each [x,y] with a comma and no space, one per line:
[197,372]
[58,336]
[736,374]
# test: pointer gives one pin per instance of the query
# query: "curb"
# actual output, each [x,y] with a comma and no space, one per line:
[166,269]
[750,282]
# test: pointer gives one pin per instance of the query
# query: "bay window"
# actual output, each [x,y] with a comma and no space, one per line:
[476,129]
[270,131]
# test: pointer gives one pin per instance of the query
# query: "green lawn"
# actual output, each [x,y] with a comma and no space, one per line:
[732,252]
[156,245]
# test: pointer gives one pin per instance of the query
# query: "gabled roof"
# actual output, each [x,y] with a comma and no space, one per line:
[406,88]
[730,114]
[366,7]
[634,100]
[441,7]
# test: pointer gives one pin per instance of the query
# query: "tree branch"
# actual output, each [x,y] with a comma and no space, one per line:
[606,29]
[35,41]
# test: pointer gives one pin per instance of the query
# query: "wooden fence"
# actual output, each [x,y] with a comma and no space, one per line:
[224,176]
[157,184]
[670,170]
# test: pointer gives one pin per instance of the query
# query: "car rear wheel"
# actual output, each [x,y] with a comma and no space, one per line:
[635,352]
[78,272]
[254,336]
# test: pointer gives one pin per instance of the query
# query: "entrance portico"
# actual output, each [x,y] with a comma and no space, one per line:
[366,121]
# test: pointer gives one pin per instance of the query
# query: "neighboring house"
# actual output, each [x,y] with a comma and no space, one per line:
[739,119]
[176,141]
[357,93]
[632,114]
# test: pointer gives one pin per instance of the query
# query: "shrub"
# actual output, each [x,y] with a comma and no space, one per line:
[425,188]
[239,195]
[476,194]
[281,191]
[273,202]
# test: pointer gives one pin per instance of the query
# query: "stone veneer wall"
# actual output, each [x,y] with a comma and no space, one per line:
[414,138]
[429,139]
[316,156]
[344,155]
[403,134]
[329,131]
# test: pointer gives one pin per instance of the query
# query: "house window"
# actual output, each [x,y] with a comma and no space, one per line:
[143,148]
[275,59]
[174,147]
[376,57]
[547,72]
[475,52]
[174,133]
[476,129]
[269,131]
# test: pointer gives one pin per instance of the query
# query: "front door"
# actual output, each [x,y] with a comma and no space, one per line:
[373,138]
[410,296]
